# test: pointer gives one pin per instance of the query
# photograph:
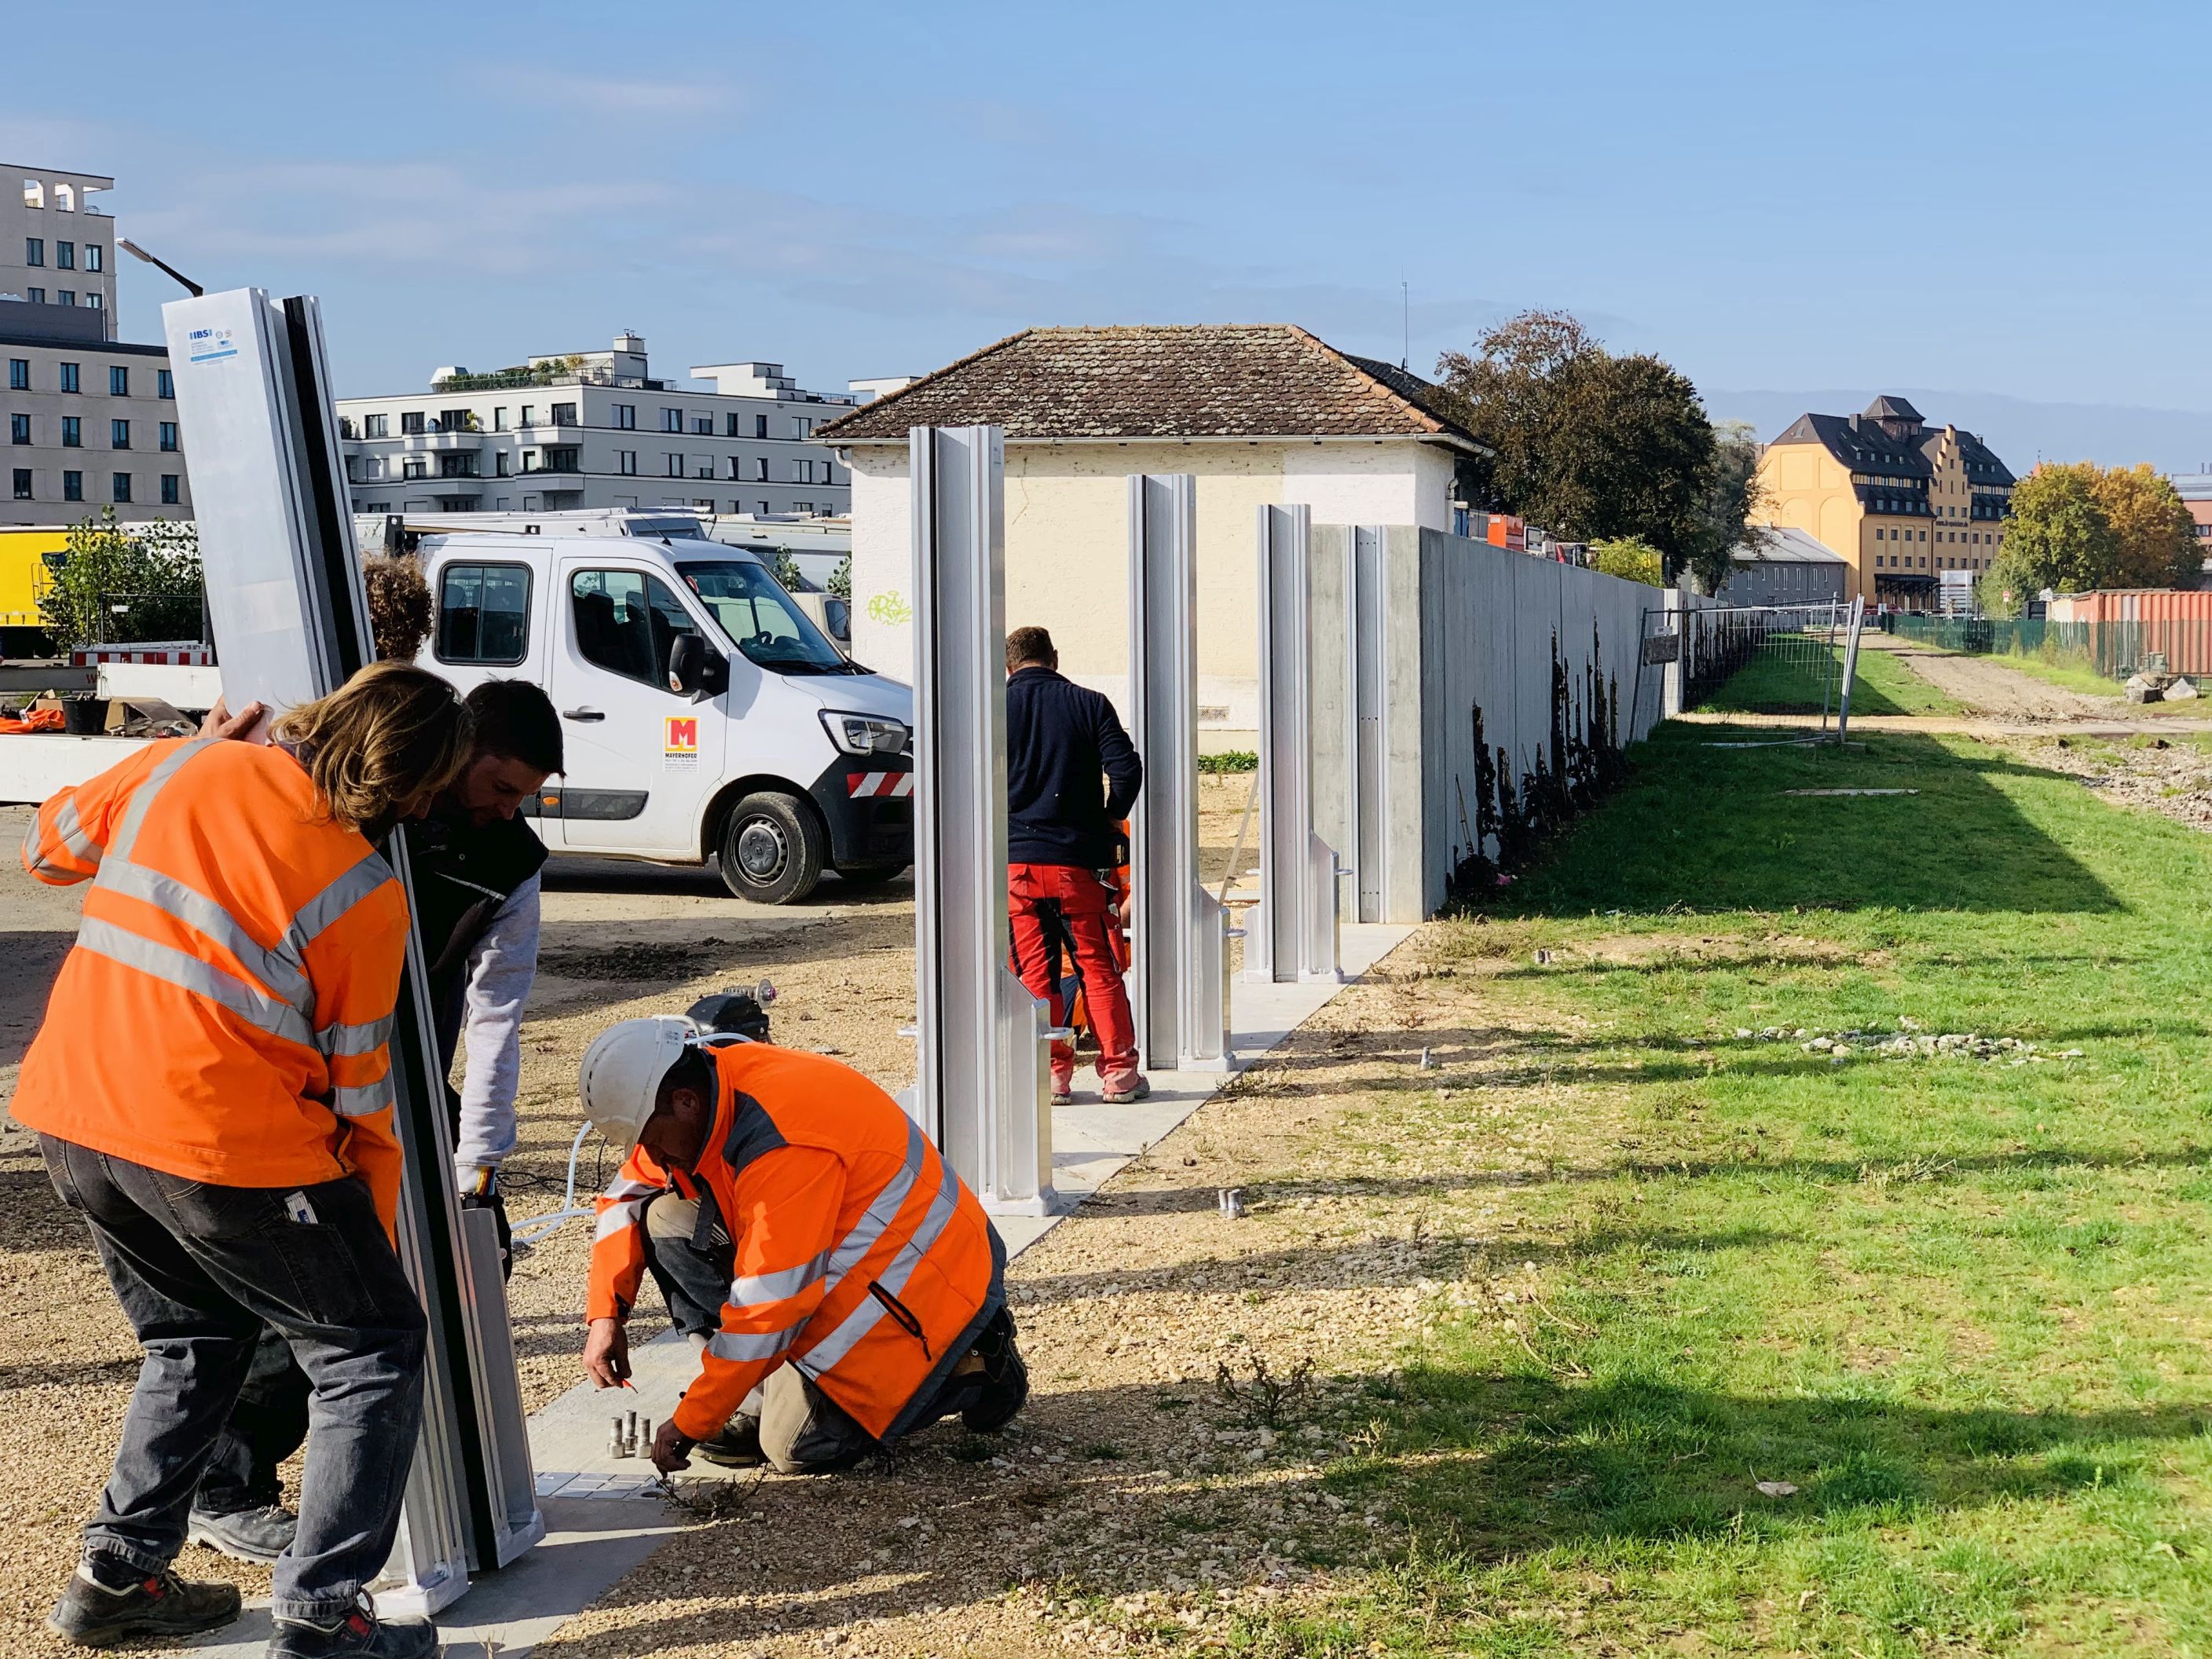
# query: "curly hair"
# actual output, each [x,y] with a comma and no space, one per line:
[380,742]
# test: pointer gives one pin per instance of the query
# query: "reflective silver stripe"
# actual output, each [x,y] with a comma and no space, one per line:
[203,915]
[142,797]
[776,1286]
[615,1217]
[361,1098]
[70,829]
[255,1006]
[34,853]
[823,1355]
[742,1345]
[362,1039]
[320,913]
[851,1250]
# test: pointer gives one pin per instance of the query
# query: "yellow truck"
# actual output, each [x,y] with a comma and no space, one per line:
[25,552]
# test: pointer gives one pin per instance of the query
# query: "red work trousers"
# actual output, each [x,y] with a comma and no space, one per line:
[1083,904]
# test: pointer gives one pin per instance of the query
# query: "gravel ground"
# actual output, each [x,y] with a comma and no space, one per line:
[2154,773]
[1988,687]
[619,941]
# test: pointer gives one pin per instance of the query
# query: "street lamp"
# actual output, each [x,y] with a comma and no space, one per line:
[135,252]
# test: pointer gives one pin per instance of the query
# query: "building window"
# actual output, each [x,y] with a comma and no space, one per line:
[72,432]
[19,374]
[120,486]
[562,460]
[93,258]
[66,296]
[171,484]
[483,614]
[64,256]
[564,414]
[34,250]
[802,472]
[625,417]
[411,423]
[69,373]
[626,462]
[72,486]
[119,434]
[762,509]
[734,464]
[730,425]
[499,463]
[415,467]
[94,302]
[165,384]
[703,425]
[169,436]
[499,418]
[760,426]
[19,428]
[802,506]
[671,420]
[22,483]
[675,466]
[760,469]
[36,295]
[530,415]
[463,465]
[376,426]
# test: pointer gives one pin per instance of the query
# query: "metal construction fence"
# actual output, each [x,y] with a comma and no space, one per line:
[2113,650]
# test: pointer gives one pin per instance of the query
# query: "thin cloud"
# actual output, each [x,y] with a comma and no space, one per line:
[606,95]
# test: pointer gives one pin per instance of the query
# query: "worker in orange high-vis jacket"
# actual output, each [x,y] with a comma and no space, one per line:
[841,1284]
[213,1094]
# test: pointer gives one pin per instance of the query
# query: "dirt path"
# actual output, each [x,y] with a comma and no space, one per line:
[1990,688]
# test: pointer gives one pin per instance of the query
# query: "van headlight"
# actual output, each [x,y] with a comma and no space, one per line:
[866,734]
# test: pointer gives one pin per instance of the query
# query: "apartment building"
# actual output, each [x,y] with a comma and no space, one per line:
[91,421]
[597,430]
[1899,500]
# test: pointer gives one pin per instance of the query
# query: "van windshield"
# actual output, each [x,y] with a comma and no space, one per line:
[761,620]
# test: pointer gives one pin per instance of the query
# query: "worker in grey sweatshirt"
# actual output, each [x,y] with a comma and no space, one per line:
[475,863]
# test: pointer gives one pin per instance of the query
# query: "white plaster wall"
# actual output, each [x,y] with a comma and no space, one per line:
[1067,548]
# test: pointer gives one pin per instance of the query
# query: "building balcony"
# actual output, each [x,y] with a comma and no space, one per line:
[414,443]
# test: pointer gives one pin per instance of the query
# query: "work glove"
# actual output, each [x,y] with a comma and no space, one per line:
[671,1447]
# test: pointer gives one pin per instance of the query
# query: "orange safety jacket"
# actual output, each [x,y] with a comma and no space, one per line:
[859,1257]
[224,1013]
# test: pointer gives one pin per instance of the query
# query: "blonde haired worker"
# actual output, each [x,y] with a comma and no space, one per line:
[213,1094]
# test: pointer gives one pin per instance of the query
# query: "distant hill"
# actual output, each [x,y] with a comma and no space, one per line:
[2113,435]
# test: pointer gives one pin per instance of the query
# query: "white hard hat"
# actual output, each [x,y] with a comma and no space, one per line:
[622,1070]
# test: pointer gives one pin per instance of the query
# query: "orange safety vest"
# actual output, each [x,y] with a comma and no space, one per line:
[224,1013]
[860,1258]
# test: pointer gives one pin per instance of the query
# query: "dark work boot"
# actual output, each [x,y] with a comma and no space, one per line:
[256,1534]
[1004,1386]
[737,1446]
[160,1605]
[359,1635]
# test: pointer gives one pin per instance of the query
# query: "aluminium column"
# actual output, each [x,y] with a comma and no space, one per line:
[1179,949]
[983,1089]
[1296,933]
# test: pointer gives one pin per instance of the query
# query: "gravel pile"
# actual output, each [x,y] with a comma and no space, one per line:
[1909,1043]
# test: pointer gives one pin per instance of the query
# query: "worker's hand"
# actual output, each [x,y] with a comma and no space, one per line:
[671,1447]
[606,1353]
[221,723]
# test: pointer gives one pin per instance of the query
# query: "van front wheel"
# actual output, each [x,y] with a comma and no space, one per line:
[772,850]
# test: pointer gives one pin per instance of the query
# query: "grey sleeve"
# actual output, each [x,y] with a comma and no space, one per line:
[501,967]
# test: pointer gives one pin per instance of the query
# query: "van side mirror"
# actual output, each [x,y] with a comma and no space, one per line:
[696,670]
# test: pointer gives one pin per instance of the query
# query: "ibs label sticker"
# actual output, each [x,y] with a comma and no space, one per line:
[679,748]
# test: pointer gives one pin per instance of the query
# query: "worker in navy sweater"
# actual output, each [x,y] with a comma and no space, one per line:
[1072,776]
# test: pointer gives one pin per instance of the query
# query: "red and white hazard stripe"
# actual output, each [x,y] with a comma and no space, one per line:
[171,656]
[887,786]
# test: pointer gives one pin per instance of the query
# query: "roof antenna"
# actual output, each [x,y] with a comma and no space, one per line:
[1406,322]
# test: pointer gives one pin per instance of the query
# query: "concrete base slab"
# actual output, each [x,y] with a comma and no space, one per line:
[588,1547]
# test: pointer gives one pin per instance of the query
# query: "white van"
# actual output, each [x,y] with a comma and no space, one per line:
[704,714]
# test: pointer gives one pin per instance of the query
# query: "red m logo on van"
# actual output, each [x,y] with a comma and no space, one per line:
[682,735]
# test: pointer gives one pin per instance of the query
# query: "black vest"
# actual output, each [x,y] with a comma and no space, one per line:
[463,876]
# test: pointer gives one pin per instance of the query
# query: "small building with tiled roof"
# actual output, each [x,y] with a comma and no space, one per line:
[1901,501]
[1260,414]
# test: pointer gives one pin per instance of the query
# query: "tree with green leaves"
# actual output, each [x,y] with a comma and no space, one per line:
[1630,557]
[2060,535]
[1595,448]
[841,579]
[120,584]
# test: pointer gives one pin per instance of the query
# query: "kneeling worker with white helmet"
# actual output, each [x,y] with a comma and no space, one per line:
[841,1284]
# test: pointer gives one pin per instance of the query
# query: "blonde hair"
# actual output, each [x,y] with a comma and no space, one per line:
[388,736]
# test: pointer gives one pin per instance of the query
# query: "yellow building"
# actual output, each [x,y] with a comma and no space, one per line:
[1899,500]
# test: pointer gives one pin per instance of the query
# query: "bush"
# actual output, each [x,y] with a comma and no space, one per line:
[1230,760]
[117,586]
[399,606]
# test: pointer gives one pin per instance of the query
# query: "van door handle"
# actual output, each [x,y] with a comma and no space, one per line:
[581,714]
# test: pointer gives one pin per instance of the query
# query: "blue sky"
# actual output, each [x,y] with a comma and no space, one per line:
[1997,203]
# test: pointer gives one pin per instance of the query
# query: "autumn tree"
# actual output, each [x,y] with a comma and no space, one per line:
[1597,447]
[2154,537]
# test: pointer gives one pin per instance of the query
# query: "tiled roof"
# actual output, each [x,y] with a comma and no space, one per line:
[1864,447]
[1232,381]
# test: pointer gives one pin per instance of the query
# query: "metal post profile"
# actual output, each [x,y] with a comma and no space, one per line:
[288,613]
[1178,944]
[1296,937]
[983,1085]
[1366,709]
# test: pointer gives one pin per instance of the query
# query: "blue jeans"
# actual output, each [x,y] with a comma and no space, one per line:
[199,1270]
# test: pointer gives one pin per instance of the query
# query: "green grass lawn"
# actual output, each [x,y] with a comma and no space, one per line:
[1960,1307]
[1790,677]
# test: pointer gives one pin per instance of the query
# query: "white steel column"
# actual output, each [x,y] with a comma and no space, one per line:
[1179,951]
[290,616]
[982,1092]
[1296,934]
